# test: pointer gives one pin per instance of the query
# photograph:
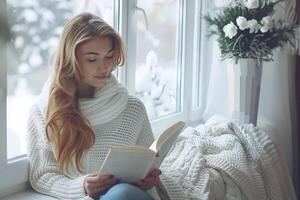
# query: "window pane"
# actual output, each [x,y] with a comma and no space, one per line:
[156,57]
[101,8]
[36,26]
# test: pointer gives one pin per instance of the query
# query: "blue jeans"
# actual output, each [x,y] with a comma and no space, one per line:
[124,191]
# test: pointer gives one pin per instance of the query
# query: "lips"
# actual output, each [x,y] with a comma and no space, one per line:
[100,76]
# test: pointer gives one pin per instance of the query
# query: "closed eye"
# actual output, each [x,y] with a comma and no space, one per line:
[92,60]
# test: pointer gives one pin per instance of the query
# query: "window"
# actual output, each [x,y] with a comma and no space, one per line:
[35,28]
[157,53]
[101,8]
[161,59]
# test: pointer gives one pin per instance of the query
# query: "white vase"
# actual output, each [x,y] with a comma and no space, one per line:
[245,80]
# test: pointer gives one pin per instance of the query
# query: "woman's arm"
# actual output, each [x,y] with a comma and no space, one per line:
[145,136]
[44,175]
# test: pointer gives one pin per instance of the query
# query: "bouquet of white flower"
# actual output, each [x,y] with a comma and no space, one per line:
[246,29]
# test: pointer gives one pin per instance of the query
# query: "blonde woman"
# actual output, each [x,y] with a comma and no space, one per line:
[81,113]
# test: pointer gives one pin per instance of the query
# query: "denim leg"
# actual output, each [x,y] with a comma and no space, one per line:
[124,191]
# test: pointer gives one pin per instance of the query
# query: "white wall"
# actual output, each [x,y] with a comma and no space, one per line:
[277,102]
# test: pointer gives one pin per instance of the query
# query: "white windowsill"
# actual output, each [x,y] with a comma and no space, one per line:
[27,194]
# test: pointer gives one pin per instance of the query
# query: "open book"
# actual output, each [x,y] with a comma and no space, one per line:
[132,163]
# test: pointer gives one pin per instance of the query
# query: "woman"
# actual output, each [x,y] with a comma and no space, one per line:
[81,114]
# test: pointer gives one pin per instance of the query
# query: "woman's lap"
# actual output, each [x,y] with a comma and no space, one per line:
[124,191]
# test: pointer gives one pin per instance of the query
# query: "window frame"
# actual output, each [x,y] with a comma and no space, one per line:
[15,169]
[3,92]
[197,53]
[199,43]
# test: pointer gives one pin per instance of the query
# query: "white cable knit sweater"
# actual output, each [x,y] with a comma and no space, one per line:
[117,120]
[225,161]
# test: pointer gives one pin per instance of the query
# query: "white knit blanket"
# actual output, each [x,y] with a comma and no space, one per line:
[225,161]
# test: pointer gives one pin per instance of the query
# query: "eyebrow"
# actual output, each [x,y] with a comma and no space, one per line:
[95,53]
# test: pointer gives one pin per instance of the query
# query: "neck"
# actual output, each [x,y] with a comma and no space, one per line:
[85,91]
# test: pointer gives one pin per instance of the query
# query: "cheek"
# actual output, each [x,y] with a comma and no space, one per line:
[88,70]
[110,63]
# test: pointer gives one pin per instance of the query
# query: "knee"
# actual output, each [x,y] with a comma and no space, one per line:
[124,191]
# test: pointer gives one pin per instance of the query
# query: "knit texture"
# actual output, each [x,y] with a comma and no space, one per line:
[126,127]
[111,100]
[225,160]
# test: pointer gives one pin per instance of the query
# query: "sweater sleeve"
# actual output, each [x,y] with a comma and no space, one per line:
[146,137]
[44,175]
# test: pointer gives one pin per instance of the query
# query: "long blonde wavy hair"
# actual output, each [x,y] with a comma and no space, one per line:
[66,128]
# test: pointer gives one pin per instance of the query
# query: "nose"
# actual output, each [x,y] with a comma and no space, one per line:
[103,66]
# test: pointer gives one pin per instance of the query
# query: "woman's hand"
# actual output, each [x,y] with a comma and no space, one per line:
[149,181]
[94,184]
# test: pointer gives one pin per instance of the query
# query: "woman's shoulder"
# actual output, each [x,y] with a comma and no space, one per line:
[136,102]
[36,128]
[36,111]
[135,105]
[36,121]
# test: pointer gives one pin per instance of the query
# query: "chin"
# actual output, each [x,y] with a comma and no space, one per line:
[99,85]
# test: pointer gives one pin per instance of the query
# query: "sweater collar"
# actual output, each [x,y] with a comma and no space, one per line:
[108,101]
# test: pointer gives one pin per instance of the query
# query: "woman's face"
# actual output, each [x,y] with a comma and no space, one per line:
[95,59]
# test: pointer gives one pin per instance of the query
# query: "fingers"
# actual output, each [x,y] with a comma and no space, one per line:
[100,181]
[101,188]
[95,184]
[155,172]
[147,182]
[150,180]
[110,181]
[94,178]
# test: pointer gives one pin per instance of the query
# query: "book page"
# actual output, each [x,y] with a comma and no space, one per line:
[129,165]
[164,143]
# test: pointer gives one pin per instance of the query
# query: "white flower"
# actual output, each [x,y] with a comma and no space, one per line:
[253,25]
[264,29]
[230,30]
[242,22]
[251,4]
[266,23]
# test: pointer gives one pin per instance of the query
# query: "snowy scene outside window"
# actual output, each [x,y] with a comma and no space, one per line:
[156,56]
[36,26]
